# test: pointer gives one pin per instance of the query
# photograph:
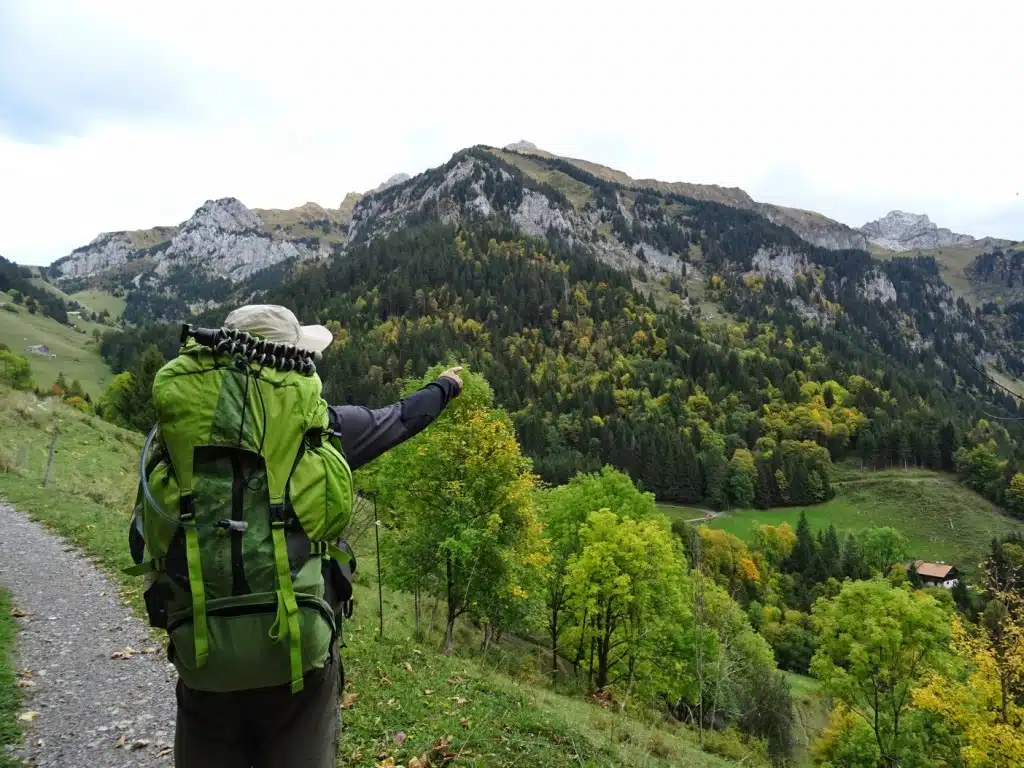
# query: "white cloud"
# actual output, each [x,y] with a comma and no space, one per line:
[851,112]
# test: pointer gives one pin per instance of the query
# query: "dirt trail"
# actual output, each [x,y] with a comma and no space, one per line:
[97,704]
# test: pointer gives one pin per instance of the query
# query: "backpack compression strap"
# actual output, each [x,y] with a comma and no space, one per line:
[287,623]
[195,579]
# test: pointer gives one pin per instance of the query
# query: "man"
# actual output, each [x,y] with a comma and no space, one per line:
[275,726]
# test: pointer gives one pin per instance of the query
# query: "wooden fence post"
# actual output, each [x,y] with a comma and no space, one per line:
[49,461]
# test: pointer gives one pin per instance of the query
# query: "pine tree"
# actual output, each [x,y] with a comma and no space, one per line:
[854,566]
[689,481]
[716,477]
[831,555]
[140,412]
[947,447]
[764,496]
[802,558]
[867,447]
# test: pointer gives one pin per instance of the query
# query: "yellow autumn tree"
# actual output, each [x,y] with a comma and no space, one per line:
[991,726]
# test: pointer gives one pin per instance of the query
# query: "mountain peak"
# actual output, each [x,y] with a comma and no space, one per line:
[398,178]
[902,231]
[227,214]
[520,146]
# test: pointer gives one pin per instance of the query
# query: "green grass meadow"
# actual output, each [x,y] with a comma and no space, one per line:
[77,354]
[942,519]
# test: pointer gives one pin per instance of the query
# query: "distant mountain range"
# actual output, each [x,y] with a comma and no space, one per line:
[195,264]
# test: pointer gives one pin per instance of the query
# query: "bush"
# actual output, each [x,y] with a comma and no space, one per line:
[731,745]
[78,402]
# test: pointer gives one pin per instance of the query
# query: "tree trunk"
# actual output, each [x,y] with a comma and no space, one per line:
[449,630]
[554,644]
[632,676]
[604,649]
[416,607]
[590,672]
[579,646]
[450,624]
[433,613]
[1004,685]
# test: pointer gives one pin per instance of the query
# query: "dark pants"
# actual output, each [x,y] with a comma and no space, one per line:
[264,728]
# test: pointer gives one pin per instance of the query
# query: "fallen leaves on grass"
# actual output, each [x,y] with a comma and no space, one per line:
[349,701]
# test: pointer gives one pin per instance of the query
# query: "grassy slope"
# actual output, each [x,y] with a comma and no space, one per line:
[952,263]
[810,713]
[508,720]
[77,355]
[10,731]
[577,192]
[97,301]
[942,519]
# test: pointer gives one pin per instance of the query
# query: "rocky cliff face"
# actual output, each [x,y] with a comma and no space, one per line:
[902,231]
[878,287]
[225,239]
[813,227]
[468,186]
[780,264]
[222,244]
[106,251]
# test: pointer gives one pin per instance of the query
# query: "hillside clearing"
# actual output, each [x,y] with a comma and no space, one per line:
[942,519]
[77,355]
[97,301]
[576,191]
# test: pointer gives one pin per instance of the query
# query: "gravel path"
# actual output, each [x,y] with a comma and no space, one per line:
[93,709]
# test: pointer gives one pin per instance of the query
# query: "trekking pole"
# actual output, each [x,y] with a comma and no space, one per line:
[380,592]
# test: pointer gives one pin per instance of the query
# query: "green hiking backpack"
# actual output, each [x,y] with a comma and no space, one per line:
[238,520]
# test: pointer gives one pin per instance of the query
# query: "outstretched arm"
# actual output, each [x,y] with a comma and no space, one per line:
[367,433]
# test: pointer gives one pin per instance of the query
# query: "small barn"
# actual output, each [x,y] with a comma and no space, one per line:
[39,349]
[937,574]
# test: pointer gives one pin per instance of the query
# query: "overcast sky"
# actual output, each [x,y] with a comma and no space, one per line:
[118,115]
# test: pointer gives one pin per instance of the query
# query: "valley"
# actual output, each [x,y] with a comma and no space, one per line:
[637,353]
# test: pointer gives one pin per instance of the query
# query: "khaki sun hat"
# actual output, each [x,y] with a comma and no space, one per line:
[279,324]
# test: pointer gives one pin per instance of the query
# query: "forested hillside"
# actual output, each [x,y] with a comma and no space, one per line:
[598,349]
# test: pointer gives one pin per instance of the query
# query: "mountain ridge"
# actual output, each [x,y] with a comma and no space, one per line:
[644,227]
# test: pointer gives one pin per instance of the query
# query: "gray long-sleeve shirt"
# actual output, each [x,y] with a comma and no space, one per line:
[367,433]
